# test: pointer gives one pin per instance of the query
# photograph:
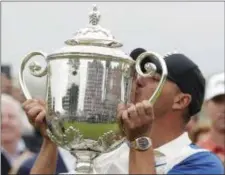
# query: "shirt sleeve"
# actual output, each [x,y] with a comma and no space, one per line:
[199,163]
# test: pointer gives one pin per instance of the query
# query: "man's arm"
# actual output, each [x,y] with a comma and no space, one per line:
[137,122]
[142,162]
[46,160]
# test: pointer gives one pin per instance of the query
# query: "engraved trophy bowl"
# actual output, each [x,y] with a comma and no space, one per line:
[86,80]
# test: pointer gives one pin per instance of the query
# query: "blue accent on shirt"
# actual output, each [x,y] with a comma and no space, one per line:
[199,163]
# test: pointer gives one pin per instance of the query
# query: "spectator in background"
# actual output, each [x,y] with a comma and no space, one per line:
[199,133]
[10,101]
[6,84]
[13,125]
[192,123]
[214,109]
[30,135]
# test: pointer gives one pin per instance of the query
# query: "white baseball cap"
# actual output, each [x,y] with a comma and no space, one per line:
[215,86]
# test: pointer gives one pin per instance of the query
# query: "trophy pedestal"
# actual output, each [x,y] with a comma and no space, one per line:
[84,168]
[84,162]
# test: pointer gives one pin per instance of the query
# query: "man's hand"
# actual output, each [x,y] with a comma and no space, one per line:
[136,120]
[36,112]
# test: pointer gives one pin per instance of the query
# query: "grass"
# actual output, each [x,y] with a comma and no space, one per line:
[93,130]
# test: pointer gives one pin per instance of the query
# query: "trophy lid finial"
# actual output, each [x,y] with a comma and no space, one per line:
[92,41]
[94,15]
[94,34]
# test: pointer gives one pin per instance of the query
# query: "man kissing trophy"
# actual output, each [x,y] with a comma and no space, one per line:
[86,80]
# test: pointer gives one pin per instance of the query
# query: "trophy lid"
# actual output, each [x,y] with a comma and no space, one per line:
[92,40]
[94,34]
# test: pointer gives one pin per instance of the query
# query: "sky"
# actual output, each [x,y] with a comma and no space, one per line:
[193,28]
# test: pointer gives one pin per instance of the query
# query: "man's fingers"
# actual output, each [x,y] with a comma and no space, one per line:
[148,107]
[28,102]
[34,111]
[42,102]
[126,120]
[40,117]
[121,106]
[30,106]
[129,105]
[148,111]
[137,119]
[140,109]
[132,113]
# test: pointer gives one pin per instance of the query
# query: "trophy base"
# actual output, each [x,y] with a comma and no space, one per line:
[84,168]
[84,162]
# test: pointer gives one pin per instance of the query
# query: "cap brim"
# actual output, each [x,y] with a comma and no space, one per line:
[215,92]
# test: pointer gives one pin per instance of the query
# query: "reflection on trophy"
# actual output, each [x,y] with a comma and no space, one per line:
[86,80]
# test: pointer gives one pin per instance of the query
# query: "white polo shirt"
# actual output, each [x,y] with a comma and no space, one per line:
[176,157]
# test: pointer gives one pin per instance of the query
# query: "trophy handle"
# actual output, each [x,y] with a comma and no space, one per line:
[35,69]
[151,69]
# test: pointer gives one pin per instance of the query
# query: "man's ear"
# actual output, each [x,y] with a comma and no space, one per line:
[181,101]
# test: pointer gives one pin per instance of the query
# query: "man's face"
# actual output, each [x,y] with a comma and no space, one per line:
[145,87]
[10,125]
[215,109]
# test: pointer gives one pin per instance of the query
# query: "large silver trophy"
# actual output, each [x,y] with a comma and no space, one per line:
[86,80]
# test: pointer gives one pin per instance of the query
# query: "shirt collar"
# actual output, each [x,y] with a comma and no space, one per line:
[21,146]
[171,148]
[19,149]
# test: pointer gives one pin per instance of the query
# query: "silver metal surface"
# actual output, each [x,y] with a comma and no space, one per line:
[35,70]
[151,70]
[86,79]
[83,106]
